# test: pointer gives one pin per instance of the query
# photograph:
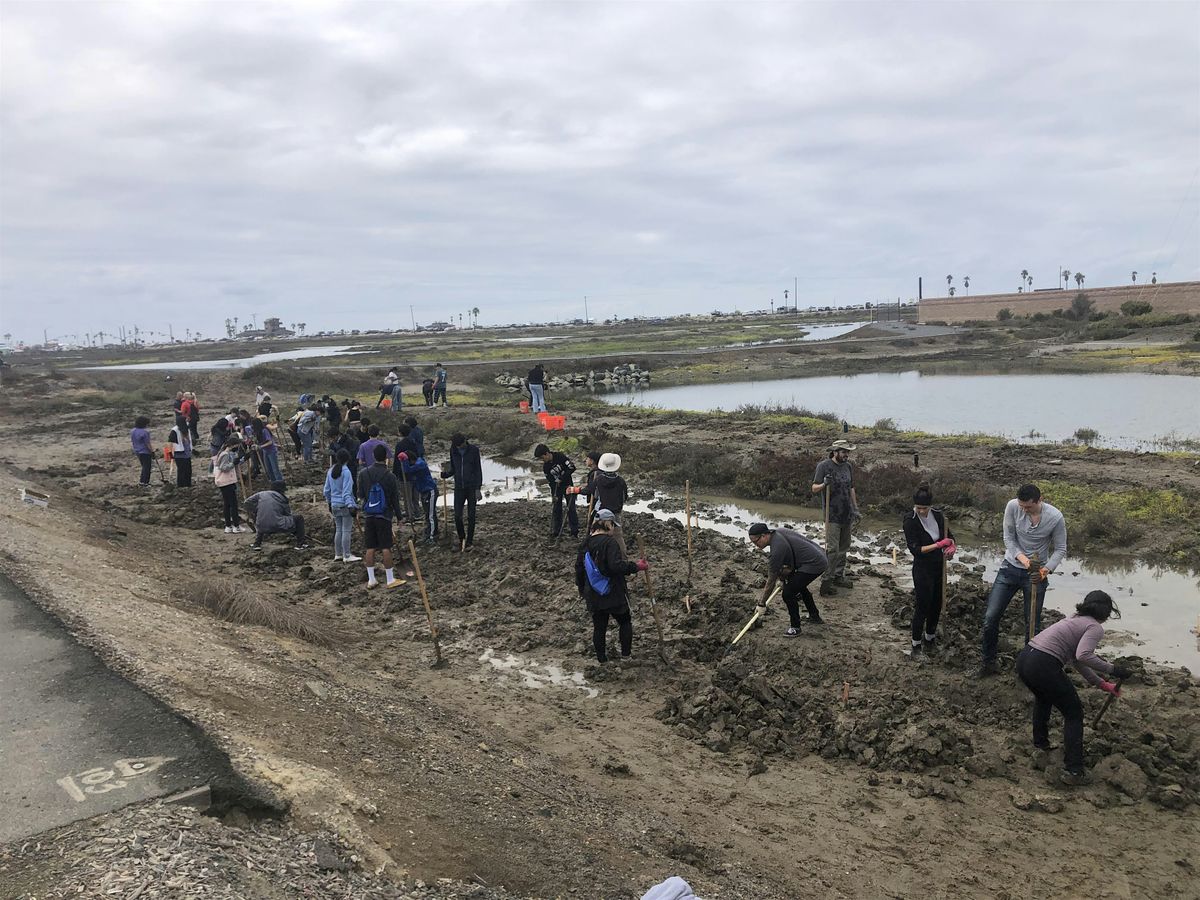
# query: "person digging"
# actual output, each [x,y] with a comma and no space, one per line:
[272,514]
[600,572]
[834,478]
[558,469]
[796,561]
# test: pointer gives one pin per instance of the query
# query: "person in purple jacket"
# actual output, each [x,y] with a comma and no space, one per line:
[1040,667]
[142,448]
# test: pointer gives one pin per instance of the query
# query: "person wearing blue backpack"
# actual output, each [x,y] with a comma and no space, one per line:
[379,495]
[600,571]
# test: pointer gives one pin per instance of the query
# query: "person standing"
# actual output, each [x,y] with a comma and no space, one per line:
[424,489]
[225,477]
[1072,642]
[339,494]
[192,415]
[366,449]
[1035,543]
[537,387]
[417,434]
[268,450]
[218,435]
[306,428]
[558,469]
[932,546]
[600,572]
[379,499]
[466,468]
[834,479]
[139,437]
[260,395]
[388,390]
[607,489]
[180,439]
[353,412]
[795,561]
[339,440]
[439,384]
[406,447]
[272,514]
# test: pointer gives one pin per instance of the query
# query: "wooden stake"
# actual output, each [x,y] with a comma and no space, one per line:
[654,610]
[687,511]
[845,692]
[1035,578]
[945,562]
[438,662]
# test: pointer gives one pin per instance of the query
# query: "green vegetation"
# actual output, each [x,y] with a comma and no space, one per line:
[1115,516]
[1086,435]
[1135,308]
[1004,314]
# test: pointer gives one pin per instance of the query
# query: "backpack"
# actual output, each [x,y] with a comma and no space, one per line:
[305,399]
[600,582]
[376,504]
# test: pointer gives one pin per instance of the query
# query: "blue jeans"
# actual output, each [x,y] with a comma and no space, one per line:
[1009,580]
[343,528]
[397,398]
[271,462]
[537,392]
[306,442]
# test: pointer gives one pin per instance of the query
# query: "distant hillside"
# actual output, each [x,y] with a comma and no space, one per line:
[1177,297]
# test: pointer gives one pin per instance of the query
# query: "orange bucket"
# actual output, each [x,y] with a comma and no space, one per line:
[523,406]
[387,402]
[168,452]
[543,416]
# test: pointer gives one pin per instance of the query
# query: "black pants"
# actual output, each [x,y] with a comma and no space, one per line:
[146,459]
[183,471]
[796,585]
[465,496]
[429,510]
[428,396]
[600,631]
[556,517]
[927,598]
[1044,676]
[297,530]
[229,504]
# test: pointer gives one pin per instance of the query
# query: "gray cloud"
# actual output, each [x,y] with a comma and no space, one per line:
[187,162]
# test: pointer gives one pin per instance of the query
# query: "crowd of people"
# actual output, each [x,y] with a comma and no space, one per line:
[371,486]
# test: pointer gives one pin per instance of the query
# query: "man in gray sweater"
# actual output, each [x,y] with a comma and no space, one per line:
[797,562]
[1035,543]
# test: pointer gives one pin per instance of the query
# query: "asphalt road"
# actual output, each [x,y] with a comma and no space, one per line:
[76,739]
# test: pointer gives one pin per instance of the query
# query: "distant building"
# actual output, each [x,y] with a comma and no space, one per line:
[272,328]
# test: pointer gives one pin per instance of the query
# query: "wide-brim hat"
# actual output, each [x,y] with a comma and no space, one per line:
[609,462]
[841,445]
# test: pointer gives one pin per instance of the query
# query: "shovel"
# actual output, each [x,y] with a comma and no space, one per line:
[654,610]
[1107,703]
[754,618]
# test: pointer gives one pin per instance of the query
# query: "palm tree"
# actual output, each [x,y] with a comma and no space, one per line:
[475,313]
[1024,275]
[1079,279]
[1154,278]
[301,326]
[1029,281]
[1135,276]
[951,291]
[1066,277]
[949,280]
[967,284]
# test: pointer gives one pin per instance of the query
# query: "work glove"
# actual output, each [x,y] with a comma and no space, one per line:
[572,490]
[949,550]
[403,457]
[1110,688]
[943,543]
[760,610]
[642,565]
[1121,673]
[1043,573]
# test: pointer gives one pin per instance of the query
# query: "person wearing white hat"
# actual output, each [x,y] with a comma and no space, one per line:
[835,478]
[608,490]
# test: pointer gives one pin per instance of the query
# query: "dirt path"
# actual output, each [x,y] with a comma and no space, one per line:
[525,766]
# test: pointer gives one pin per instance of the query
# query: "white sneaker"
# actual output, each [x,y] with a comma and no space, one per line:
[241,529]
[229,529]
[337,559]
[351,558]
[396,583]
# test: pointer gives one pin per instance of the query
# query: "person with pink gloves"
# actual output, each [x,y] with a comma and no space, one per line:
[1072,642]
[600,572]
[932,547]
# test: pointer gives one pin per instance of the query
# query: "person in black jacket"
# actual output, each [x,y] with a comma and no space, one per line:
[606,558]
[558,471]
[931,544]
[606,489]
[537,388]
[339,440]
[466,468]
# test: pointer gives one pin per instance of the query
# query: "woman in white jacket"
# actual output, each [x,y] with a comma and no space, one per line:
[225,477]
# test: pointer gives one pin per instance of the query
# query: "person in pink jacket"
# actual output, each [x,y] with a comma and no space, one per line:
[1072,641]
[225,477]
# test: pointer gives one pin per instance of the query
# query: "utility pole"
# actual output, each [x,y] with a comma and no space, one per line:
[45,337]
[171,332]
[585,310]
[412,315]
[796,293]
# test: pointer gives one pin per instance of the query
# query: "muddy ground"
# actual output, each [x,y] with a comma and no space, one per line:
[524,766]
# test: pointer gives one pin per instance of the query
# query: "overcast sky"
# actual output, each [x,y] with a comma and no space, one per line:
[334,163]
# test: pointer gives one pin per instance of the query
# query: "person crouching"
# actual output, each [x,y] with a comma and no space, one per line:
[272,514]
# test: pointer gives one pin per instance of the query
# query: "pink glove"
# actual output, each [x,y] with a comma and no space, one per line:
[943,543]
[949,550]
[642,565]
[1110,688]
[403,457]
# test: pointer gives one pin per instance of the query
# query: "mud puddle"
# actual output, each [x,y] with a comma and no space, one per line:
[517,670]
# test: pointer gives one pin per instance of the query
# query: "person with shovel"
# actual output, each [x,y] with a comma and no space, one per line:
[600,572]
[1072,642]
[932,546]
[795,560]
[558,469]
[1035,543]
[834,479]
[466,468]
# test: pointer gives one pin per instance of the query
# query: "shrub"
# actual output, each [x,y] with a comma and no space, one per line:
[1080,309]
[1136,308]
[1005,314]
[235,602]
[1041,316]
[887,424]
[1086,435]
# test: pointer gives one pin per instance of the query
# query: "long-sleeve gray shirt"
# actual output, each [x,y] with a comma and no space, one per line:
[1048,538]
[1074,640]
